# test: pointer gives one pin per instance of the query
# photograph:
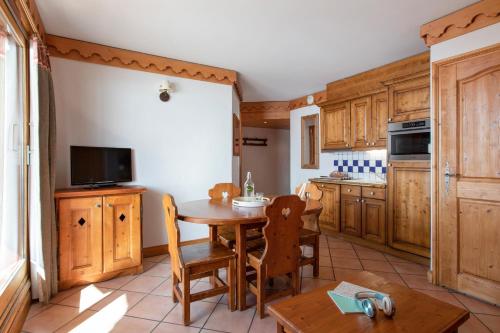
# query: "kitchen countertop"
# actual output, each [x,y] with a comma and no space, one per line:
[357,182]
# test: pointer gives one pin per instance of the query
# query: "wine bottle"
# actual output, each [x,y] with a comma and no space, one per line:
[249,190]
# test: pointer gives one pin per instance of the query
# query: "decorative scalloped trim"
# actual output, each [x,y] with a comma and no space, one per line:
[468,19]
[106,55]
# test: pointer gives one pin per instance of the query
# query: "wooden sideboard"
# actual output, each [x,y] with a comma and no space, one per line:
[99,233]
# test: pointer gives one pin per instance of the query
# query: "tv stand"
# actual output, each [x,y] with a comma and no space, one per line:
[99,233]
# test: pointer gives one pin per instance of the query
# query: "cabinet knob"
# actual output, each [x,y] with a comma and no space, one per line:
[110,205]
[357,200]
[347,145]
[372,193]
[389,164]
[362,200]
[98,205]
[373,143]
[367,143]
[390,119]
[349,190]
[322,185]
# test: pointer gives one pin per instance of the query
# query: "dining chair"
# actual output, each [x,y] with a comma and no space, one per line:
[280,257]
[310,232]
[190,262]
[226,234]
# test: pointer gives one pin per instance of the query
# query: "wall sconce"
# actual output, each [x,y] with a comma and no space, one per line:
[166,88]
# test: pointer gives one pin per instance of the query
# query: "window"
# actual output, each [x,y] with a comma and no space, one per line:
[12,217]
[310,142]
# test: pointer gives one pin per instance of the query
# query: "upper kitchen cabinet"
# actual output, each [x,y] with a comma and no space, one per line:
[358,108]
[335,126]
[409,98]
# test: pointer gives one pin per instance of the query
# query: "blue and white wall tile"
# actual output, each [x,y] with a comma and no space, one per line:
[370,164]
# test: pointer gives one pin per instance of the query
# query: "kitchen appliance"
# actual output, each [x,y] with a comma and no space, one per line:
[409,140]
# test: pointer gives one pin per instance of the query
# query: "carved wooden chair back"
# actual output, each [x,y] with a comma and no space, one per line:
[173,233]
[224,190]
[309,191]
[282,252]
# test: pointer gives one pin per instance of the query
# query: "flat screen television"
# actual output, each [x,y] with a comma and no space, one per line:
[99,166]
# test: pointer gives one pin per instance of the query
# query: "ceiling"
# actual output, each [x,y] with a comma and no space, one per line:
[282,49]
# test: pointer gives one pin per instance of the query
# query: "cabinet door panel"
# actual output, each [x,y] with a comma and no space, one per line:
[373,220]
[380,112]
[350,215]
[360,122]
[335,126]
[409,100]
[409,207]
[80,238]
[122,232]
[330,215]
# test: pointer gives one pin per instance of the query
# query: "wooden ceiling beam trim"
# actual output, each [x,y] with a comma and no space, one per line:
[73,49]
[473,17]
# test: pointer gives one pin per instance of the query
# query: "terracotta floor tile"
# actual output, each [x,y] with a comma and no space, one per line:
[36,308]
[409,268]
[147,265]
[477,306]
[251,299]
[309,284]
[161,270]
[143,284]
[166,260]
[266,325]
[340,245]
[377,266]
[349,263]
[224,320]
[152,307]
[392,258]
[325,261]
[325,273]
[443,296]
[343,253]
[323,251]
[201,286]
[370,254]
[200,311]
[173,328]
[392,277]
[134,325]
[116,283]
[82,323]
[473,325]
[164,289]
[419,282]
[492,322]
[159,258]
[119,300]
[50,319]
[65,293]
[342,274]
[86,297]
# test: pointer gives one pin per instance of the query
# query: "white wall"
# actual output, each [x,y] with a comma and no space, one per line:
[182,147]
[270,165]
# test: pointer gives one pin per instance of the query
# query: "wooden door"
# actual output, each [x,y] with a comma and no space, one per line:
[122,232]
[379,114]
[468,174]
[80,238]
[409,213]
[361,122]
[373,220]
[410,99]
[350,215]
[330,215]
[335,126]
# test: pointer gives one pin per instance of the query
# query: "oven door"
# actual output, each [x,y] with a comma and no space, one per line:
[410,145]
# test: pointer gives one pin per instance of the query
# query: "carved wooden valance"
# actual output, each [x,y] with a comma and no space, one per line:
[473,17]
[106,55]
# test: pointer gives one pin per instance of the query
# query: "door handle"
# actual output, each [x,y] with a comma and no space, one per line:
[447,175]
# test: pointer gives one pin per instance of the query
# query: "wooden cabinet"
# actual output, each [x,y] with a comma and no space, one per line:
[379,115]
[409,207]
[329,220]
[350,215]
[99,234]
[335,126]
[409,98]
[373,220]
[361,110]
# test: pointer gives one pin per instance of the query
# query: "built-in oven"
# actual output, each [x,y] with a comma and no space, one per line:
[409,140]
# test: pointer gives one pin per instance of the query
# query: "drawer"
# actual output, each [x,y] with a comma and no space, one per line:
[373,192]
[326,185]
[350,190]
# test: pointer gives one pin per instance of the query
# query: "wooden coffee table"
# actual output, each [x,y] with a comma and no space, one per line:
[415,312]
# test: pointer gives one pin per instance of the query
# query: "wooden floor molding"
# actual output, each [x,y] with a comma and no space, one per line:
[159,250]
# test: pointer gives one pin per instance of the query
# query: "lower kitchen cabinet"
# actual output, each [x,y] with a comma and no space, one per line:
[409,213]
[373,220]
[350,215]
[329,220]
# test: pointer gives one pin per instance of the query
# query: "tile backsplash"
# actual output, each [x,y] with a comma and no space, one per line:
[371,164]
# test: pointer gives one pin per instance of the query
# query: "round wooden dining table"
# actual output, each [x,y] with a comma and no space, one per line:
[213,213]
